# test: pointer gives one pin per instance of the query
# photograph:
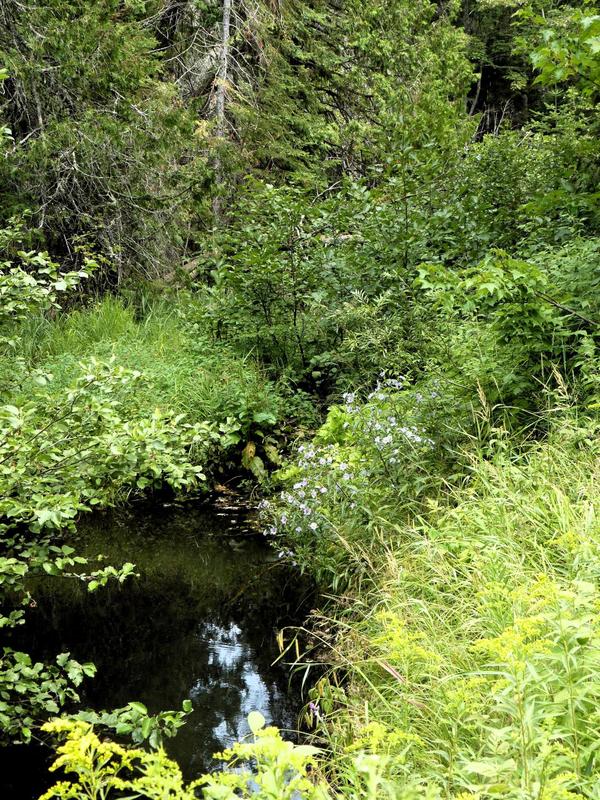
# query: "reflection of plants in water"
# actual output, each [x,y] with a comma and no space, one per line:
[235,680]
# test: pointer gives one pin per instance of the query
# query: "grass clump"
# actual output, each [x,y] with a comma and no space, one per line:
[182,371]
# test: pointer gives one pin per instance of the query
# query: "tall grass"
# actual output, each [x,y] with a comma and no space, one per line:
[472,663]
[182,369]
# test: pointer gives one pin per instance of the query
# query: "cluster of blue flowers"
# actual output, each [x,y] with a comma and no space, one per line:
[301,511]
[377,422]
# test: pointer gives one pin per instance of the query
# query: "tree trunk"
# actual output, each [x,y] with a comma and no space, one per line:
[223,70]
[221,96]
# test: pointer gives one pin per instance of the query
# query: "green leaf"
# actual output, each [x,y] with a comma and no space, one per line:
[307,750]
[256,721]
[257,467]
[139,707]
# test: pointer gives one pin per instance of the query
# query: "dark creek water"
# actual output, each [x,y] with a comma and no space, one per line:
[199,623]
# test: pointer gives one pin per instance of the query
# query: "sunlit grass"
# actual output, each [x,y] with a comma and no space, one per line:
[183,369]
[471,654]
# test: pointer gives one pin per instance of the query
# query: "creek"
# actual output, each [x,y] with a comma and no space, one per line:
[199,623]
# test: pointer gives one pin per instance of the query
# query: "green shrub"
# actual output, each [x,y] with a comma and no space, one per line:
[265,767]
[368,456]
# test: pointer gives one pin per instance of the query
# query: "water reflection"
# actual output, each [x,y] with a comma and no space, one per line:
[199,623]
[235,683]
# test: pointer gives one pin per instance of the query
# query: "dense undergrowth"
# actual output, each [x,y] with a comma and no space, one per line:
[141,402]
[349,254]
[466,662]
[181,370]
